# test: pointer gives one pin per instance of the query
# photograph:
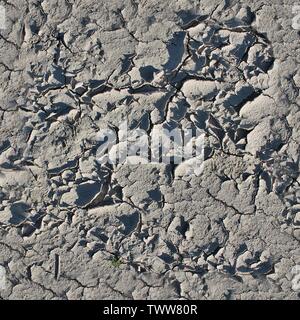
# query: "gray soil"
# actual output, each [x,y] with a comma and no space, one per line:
[71,228]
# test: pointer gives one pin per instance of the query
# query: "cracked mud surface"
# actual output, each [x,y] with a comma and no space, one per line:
[73,229]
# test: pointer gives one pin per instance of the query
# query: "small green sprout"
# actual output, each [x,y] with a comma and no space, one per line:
[116,262]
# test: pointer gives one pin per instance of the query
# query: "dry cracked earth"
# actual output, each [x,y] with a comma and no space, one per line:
[71,228]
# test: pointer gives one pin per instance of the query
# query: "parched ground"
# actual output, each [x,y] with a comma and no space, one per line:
[72,228]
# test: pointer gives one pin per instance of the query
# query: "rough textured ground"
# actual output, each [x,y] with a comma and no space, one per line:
[74,229]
